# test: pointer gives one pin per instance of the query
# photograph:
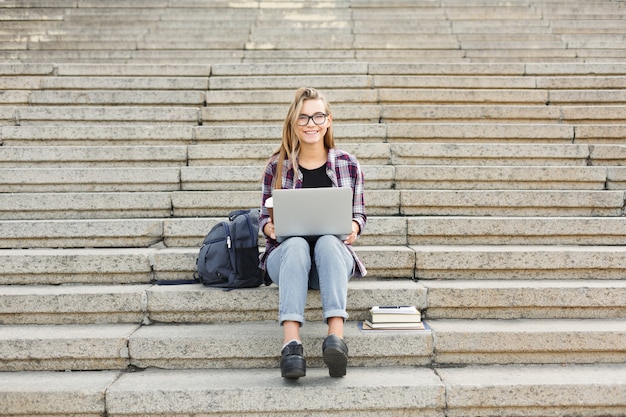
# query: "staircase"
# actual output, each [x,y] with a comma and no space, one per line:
[491,135]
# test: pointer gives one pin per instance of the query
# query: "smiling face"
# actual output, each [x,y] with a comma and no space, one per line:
[312,133]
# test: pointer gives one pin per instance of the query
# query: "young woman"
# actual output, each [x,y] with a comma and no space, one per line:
[307,158]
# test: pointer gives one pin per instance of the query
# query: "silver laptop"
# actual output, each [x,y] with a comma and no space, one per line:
[312,212]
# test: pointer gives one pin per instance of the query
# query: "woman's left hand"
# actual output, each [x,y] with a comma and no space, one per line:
[355,233]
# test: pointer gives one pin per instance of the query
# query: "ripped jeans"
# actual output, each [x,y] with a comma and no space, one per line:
[292,267]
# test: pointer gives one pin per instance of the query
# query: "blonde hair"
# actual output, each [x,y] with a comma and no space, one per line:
[290,144]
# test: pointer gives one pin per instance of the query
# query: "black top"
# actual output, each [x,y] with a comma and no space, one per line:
[315,178]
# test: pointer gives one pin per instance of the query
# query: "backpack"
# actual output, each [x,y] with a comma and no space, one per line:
[229,256]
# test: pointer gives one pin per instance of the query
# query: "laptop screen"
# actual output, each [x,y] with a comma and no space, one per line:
[312,212]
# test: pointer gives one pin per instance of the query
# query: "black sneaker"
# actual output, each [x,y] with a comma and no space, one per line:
[335,354]
[292,363]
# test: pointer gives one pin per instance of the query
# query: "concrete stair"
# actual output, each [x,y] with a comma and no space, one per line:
[491,135]
[341,30]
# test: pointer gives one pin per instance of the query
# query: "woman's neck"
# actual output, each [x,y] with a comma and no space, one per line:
[312,157]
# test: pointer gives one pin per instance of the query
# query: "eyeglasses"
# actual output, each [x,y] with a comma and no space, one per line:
[318,119]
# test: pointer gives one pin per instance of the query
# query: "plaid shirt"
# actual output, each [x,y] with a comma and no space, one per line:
[343,170]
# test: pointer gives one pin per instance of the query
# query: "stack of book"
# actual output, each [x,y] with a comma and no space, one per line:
[393,318]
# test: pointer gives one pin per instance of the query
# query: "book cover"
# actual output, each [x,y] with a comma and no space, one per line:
[394,314]
[367,325]
[394,310]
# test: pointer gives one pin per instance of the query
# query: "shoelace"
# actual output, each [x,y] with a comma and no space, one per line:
[293,349]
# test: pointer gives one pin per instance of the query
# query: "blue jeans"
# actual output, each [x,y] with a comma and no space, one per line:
[292,267]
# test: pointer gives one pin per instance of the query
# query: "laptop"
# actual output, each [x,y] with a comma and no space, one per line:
[312,212]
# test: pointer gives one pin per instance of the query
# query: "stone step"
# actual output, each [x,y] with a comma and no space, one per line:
[193,303]
[410,177]
[258,154]
[96,205]
[402,42]
[283,97]
[451,342]
[74,304]
[505,203]
[519,262]
[150,135]
[118,98]
[409,154]
[234,72]
[33,13]
[495,230]
[190,303]
[465,132]
[55,115]
[174,71]
[496,97]
[66,347]
[520,55]
[409,77]
[479,10]
[402,24]
[97,135]
[440,113]
[126,205]
[532,390]
[189,56]
[257,344]
[503,26]
[588,97]
[247,178]
[550,75]
[470,42]
[528,341]
[294,81]
[522,299]
[90,233]
[428,132]
[471,132]
[496,114]
[232,155]
[144,265]
[93,156]
[406,79]
[381,230]
[469,391]
[500,154]
[258,114]
[179,134]
[586,25]
[121,82]
[481,82]
[151,27]
[90,179]
[387,96]
[545,56]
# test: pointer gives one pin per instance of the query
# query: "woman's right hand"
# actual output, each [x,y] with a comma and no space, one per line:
[268,229]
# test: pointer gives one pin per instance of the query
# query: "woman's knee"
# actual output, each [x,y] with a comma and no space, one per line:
[296,245]
[329,246]
[332,253]
[329,243]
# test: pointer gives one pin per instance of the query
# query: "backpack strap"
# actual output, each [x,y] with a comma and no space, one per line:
[230,244]
[176,281]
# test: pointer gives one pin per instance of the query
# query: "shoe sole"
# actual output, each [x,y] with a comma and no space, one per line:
[293,367]
[336,360]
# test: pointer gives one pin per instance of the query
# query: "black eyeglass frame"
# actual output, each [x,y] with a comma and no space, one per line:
[309,118]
